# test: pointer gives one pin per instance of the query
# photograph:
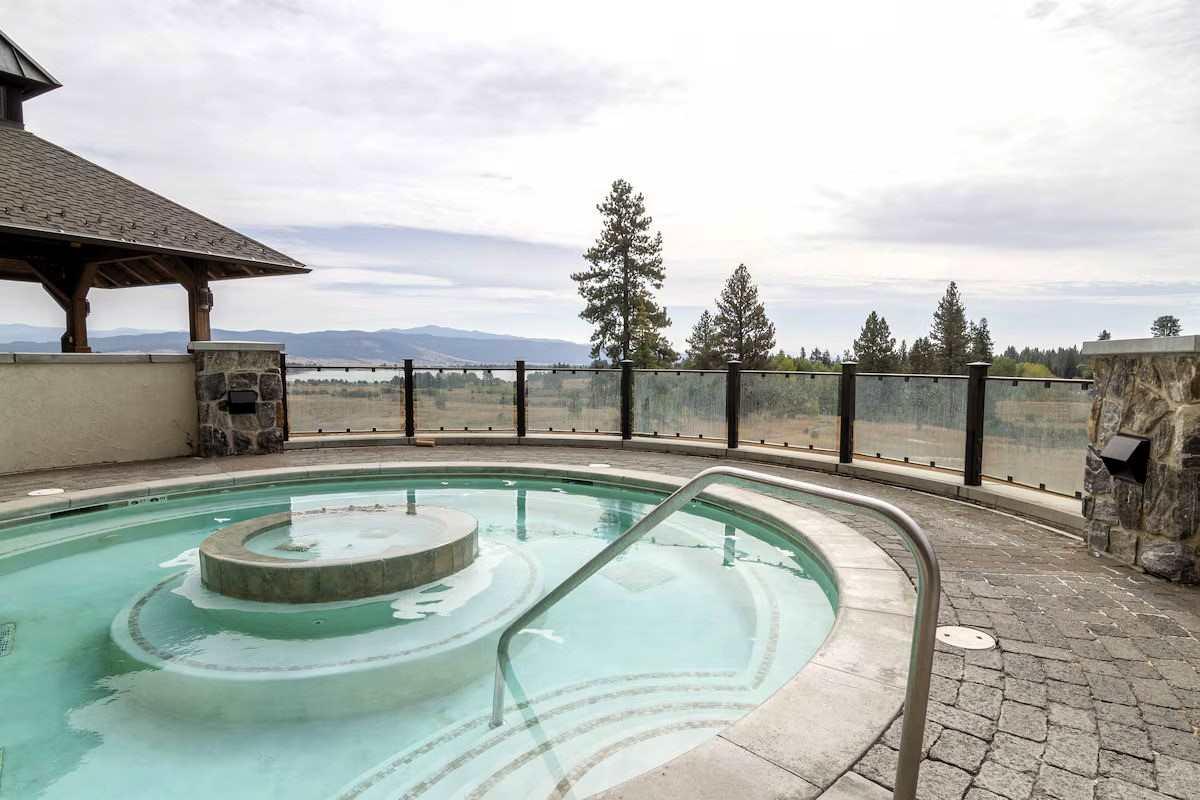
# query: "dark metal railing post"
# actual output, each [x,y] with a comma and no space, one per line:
[410,417]
[287,421]
[846,412]
[733,400]
[520,398]
[626,399]
[973,451]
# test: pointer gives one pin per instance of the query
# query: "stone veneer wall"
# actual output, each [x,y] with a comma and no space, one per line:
[1156,395]
[225,366]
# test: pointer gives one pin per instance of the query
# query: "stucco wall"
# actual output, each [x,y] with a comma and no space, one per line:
[71,409]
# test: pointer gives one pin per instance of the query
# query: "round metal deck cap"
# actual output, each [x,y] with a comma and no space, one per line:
[965,638]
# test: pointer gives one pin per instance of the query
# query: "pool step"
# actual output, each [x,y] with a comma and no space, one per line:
[601,731]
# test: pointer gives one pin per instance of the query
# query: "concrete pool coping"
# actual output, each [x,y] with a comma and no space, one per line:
[799,742]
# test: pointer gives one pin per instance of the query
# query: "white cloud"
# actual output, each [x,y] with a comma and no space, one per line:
[859,152]
[348,276]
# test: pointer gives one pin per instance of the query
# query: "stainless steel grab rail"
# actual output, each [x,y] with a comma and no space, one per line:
[916,697]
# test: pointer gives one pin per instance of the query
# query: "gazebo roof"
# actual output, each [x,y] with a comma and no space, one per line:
[72,226]
[47,192]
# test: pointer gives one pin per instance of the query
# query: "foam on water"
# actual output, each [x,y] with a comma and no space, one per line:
[451,593]
[188,558]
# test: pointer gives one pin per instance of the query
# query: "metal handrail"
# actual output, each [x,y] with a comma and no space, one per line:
[789,372]
[916,697]
[931,375]
[1083,382]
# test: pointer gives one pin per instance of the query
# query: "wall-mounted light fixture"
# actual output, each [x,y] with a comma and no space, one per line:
[1126,457]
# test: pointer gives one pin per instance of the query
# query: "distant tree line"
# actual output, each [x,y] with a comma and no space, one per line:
[626,268]
[954,341]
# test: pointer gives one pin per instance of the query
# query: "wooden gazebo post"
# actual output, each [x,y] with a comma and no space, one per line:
[69,286]
[200,302]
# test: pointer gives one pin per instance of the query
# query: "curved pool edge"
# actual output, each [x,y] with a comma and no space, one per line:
[796,743]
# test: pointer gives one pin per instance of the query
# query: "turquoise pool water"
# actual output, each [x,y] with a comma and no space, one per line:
[121,676]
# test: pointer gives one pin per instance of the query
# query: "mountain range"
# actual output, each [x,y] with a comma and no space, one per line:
[427,345]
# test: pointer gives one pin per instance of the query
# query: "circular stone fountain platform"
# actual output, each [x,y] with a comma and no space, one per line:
[265,559]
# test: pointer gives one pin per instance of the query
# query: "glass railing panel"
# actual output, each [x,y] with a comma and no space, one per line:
[573,400]
[915,418]
[793,409]
[1035,432]
[465,399]
[337,399]
[679,403]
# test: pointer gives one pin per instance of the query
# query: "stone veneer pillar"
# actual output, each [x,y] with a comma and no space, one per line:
[1150,388]
[222,367]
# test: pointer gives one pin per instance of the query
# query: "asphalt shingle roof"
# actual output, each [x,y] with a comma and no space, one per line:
[49,190]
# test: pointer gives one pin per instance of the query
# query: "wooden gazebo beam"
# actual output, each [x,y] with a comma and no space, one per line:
[68,284]
[193,275]
[68,268]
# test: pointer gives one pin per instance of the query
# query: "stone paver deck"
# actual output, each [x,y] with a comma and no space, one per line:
[1093,692]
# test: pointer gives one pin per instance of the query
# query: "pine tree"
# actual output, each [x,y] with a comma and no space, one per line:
[651,349]
[626,265]
[704,345]
[746,333]
[902,364]
[783,362]
[981,341]
[1166,325]
[949,335]
[923,357]
[875,347]
[1104,335]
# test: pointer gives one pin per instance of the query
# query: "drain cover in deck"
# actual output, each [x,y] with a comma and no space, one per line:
[966,638]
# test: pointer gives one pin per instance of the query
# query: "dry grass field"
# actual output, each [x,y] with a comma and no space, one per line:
[581,401]
[1035,442]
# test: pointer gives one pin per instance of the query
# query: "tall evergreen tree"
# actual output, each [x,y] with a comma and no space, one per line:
[651,349]
[746,333]
[626,266]
[981,341]
[875,347]
[902,364]
[949,335]
[1166,325]
[923,357]
[704,345]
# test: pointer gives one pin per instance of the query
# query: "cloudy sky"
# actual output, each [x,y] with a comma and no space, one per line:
[440,162]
